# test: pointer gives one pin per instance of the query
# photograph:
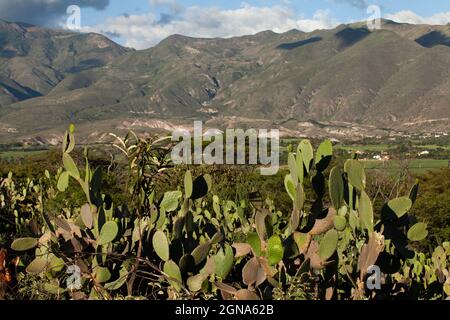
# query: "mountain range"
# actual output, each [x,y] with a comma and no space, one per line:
[348,81]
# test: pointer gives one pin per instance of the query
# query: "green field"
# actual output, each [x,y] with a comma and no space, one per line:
[17,154]
[416,166]
[433,147]
[372,148]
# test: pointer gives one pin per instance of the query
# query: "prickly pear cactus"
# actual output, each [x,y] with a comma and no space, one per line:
[189,243]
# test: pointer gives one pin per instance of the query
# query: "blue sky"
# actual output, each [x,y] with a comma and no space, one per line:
[143,23]
[342,10]
[285,15]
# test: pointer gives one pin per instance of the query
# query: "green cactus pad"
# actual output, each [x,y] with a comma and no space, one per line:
[290,186]
[324,155]
[63,181]
[55,264]
[400,206]
[300,239]
[68,142]
[275,250]
[24,244]
[201,252]
[223,261]
[70,166]
[355,173]
[365,210]
[299,200]
[37,266]
[195,283]
[188,184]
[53,288]
[306,150]
[293,168]
[353,219]
[108,233]
[336,187]
[170,200]
[173,271]
[102,274]
[161,245]
[418,232]
[340,223]
[328,244]
[255,242]
[300,167]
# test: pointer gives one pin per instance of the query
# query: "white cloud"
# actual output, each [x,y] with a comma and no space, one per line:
[143,31]
[411,17]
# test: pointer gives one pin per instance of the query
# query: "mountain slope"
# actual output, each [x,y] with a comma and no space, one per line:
[397,78]
[34,60]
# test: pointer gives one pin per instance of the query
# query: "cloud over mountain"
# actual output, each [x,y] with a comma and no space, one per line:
[408,16]
[145,30]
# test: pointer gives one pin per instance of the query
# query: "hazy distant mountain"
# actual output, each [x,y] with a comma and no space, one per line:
[34,60]
[338,80]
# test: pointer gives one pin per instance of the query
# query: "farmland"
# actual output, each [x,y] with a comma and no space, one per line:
[415,166]
[20,154]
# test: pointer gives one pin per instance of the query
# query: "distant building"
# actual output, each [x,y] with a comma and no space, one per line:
[423,153]
[382,157]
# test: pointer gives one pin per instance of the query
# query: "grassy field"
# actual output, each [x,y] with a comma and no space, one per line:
[17,154]
[416,166]
[370,148]
[433,147]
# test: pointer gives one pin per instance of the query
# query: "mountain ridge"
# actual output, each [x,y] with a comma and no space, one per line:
[387,79]
[33,60]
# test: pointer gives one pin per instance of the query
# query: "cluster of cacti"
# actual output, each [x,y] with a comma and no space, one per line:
[19,204]
[428,276]
[188,243]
